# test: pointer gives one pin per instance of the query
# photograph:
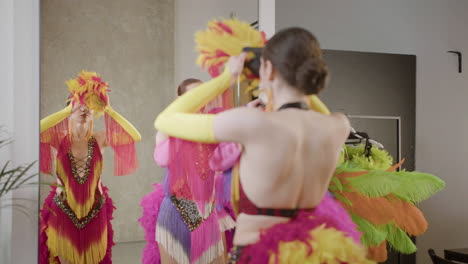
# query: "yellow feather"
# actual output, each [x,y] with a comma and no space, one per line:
[329,246]
[60,245]
[215,41]
[91,89]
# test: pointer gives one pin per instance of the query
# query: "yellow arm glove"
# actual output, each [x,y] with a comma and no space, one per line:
[178,119]
[127,126]
[317,105]
[55,118]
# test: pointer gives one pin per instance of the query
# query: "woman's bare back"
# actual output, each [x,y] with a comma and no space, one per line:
[291,166]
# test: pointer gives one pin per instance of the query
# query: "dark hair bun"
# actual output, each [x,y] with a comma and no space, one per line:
[311,76]
[296,55]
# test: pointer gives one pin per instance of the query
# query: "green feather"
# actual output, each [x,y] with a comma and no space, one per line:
[416,186]
[398,239]
[376,183]
[341,159]
[371,236]
[337,183]
[341,198]
[413,187]
[346,167]
[379,159]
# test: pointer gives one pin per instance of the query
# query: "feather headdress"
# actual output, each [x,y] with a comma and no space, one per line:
[90,90]
[224,38]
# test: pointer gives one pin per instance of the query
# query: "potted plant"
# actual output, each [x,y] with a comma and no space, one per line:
[12,178]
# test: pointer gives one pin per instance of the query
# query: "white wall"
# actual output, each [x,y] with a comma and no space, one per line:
[6,118]
[266,17]
[19,105]
[191,16]
[426,28]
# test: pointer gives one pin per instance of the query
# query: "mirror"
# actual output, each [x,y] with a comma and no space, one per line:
[143,50]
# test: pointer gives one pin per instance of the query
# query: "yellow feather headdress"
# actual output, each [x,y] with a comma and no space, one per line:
[224,38]
[90,90]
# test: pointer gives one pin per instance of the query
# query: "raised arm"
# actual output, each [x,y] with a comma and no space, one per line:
[54,119]
[124,123]
[52,130]
[121,135]
[179,118]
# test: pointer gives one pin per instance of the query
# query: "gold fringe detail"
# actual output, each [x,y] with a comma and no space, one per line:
[63,247]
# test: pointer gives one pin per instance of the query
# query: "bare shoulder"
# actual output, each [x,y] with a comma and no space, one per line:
[257,119]
[101,138]
[241,124]
[249,112]
[341,119]
[342,123]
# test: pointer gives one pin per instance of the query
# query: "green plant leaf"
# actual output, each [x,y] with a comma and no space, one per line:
[9,175]
[21,174]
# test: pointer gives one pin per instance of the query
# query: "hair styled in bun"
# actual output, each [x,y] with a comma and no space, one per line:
[295,53]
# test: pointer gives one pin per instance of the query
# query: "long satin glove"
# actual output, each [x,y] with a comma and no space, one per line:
[54,119]
[124,123]
[317,105]
[179,121]
[52,130]
[121,136]
[179,118]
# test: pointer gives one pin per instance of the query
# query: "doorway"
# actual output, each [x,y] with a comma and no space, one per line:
[377,91]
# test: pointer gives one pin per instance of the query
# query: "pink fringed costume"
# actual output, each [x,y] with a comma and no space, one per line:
[189,212]
[75,222]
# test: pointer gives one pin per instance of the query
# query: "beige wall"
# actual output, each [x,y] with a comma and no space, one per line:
[131,44]
[191,16]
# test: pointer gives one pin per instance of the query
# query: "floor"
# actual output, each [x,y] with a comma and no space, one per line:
[127,253]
